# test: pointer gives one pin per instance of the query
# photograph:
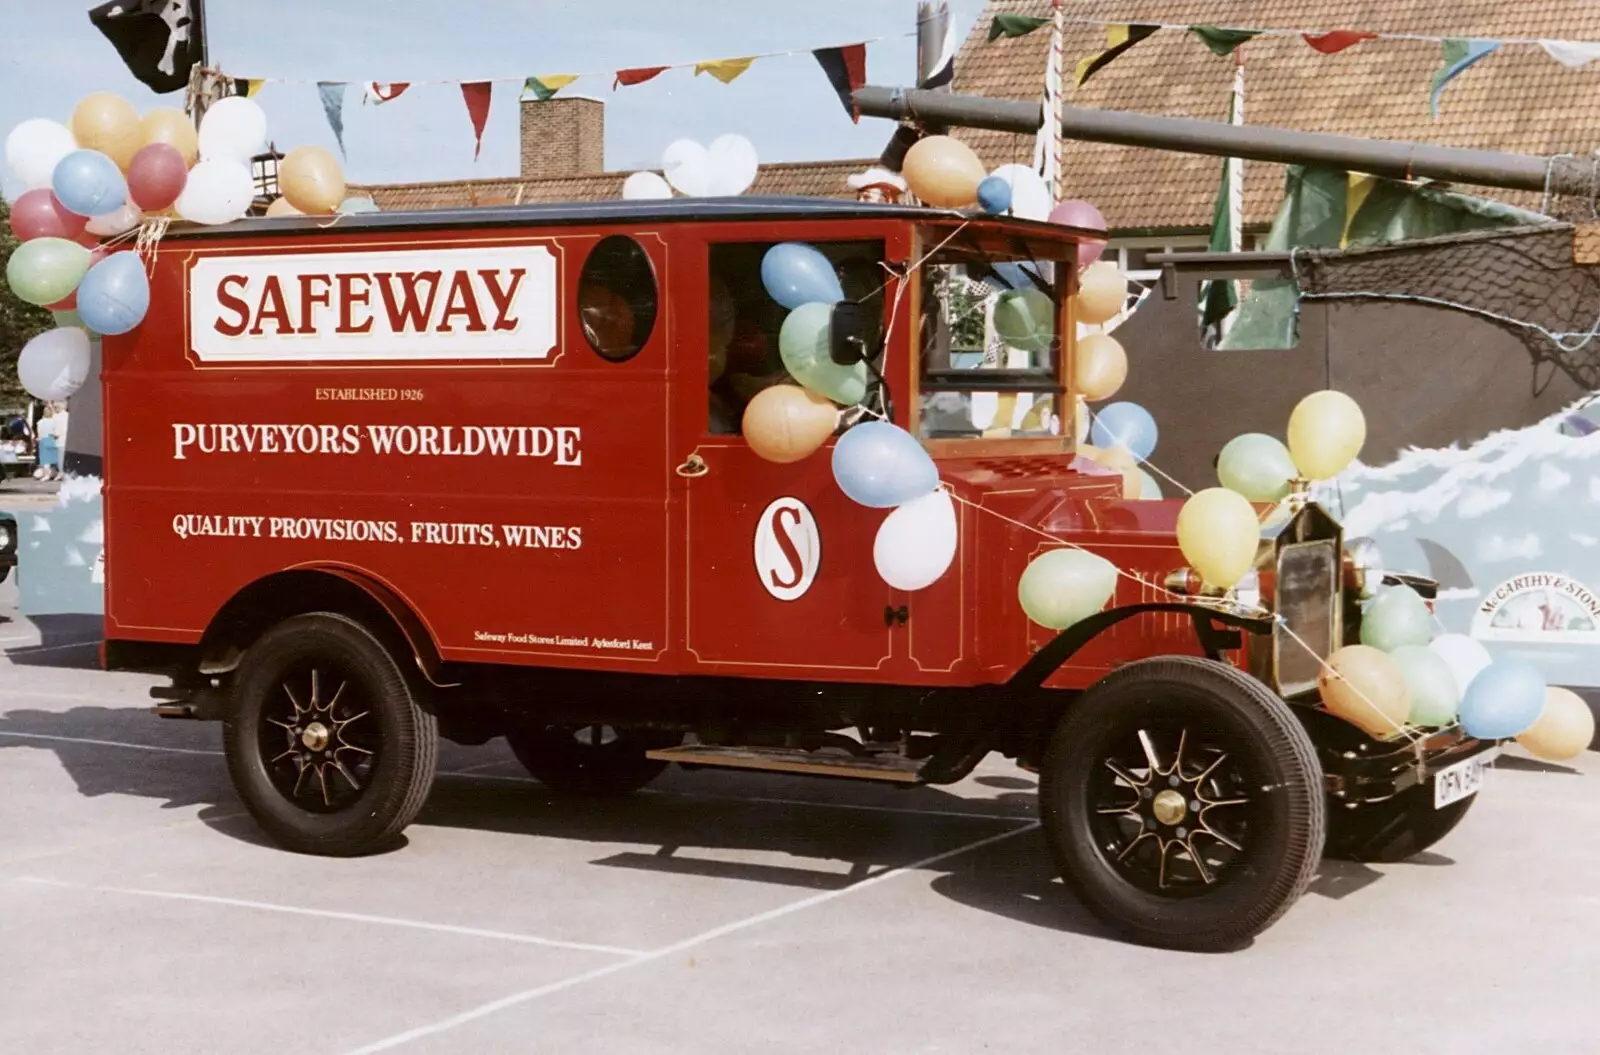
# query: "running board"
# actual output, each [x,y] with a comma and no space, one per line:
[825,763]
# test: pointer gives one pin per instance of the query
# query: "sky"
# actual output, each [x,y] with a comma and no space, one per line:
[50,57]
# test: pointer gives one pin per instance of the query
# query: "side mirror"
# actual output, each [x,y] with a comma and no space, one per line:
[847,344]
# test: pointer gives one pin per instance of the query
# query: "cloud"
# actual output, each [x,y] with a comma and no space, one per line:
[1478,501]
[1498,548]
[1552,478]
[1584,540]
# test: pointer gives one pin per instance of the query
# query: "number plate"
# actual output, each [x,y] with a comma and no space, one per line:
[1461,780]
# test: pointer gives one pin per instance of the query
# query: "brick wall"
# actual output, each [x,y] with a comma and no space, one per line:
[563,137]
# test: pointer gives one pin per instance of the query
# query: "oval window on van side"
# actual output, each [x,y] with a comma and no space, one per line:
[617,298]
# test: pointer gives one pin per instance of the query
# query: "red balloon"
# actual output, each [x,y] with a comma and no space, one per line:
[37,214]
[156,176]
[1081,214]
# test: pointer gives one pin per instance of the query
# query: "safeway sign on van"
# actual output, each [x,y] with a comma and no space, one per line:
[429,304]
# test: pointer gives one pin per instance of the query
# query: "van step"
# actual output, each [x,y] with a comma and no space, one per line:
[824,763]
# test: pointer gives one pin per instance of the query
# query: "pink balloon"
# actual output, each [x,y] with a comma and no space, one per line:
[1082,214]
[156,176]
[37,214]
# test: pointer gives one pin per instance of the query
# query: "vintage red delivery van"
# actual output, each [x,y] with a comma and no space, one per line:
[376,481]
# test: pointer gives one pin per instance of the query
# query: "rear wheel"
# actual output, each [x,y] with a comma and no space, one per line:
[591,760]
[1183,803]
[1393,830]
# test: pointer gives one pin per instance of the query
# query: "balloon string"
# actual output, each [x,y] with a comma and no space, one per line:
[1093,418]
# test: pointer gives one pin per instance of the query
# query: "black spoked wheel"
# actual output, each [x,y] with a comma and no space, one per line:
[1393,830]
[592,761]
[1183,803]
[326,740]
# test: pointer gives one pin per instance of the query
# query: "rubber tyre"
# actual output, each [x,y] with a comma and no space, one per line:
[1394,830]
[555,758]
[409,744]
[1282,859]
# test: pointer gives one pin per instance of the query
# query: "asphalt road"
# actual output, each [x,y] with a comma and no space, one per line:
[140,911]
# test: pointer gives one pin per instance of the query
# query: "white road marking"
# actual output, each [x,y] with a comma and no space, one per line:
[40,650]
[702,938]
[109,743]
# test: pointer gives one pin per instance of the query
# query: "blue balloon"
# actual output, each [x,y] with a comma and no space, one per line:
[357,205]
[994,195]
[797,274]
[88,183]
[882,465]
[114,296]
[1128,424]
[1503,701]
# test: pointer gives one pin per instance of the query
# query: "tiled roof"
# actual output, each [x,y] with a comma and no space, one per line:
[1517,100]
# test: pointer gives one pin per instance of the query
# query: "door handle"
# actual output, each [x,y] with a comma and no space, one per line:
[693,466]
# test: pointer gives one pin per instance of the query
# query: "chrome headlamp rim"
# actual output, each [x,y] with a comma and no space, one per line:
[1366,566]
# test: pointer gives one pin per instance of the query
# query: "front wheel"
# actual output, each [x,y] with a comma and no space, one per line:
[591,761]
[1183,803]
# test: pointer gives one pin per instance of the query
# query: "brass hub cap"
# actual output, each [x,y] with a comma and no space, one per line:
[327,751]
[316,736]
[1169,807]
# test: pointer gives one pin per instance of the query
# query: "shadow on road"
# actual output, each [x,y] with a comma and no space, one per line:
[65,641]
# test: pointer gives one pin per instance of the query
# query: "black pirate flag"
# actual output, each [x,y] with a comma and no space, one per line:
[159,40]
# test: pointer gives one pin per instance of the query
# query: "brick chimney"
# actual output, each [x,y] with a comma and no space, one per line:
[565,136]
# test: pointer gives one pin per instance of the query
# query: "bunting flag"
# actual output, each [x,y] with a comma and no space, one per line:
[1336,41]
[944,71]
[1573,54]
[1009,25]
[378,93]
[332,93]
[247,88]
[1047,142]
[1458,56]
[846,68]
[1223,42]
[544,88]
[725,70]
[1358,189]
[160,41]
[1219,298]
[1119,38]
[628,78]
[477,95]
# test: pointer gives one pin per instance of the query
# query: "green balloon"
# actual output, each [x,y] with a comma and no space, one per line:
[44,270]
[1066,586]
[1434,692]
[1149,489]
[803,343]
[1257,466]
[1025,319]
[1397,618]
[70,317]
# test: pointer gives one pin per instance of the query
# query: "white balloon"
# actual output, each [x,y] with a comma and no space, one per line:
[733,165]
[55,364]
[117,221]
[1030,197]
[1466,656]
[233,129]
[687,166]
[217,192]
[643,186]
[916,543]
[34,147]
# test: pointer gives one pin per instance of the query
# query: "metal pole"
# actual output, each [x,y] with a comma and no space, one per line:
[1395,160]
[932,25]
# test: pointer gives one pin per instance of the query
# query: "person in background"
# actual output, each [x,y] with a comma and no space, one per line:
[49,446]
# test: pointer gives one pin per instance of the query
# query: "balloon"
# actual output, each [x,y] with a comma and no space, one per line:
[54,364]
[34,149]
[994,195]
[785,423]
[687,166]
[172,128]
[1149,487]
[1219,535]
[120,220]
[312,180]
[880,465]
[1086,217]
[1258,466]
[218,191]
[1433,688]
[1030,198]
[1099,368]
[1080,432]
[1118,457]
[282,207]
[943,172]
[803,342]
[156,176]
[1564,730]
[68,317]
[38,214]
[1465,656]
[1366,688]
[733,165]
[115,294]
[233,129]
[1504,701]
[1326,431]
[69,303]
[88,183]
[1025,319]
[1102,293]
[354,206]
[1128,424]
[795,274]
[916,543]
[1398,617]
[107,123]
[44,270]
[1064,587]
[643,186]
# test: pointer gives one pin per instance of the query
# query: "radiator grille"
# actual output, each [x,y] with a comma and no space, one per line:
[1307,598]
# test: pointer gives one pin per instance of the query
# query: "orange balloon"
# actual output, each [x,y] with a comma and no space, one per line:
[283,207]
[312,179]
[1102,293]
[1564,730]
[108,123]
[1132,483]
[1118,457]
[1099,367]
[1367,688]
[786,423]
[943,172]
[172,127]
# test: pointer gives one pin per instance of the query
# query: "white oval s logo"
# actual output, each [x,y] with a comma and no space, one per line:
[788,549]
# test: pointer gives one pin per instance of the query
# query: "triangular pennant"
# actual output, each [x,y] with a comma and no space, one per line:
[638,75]
[545,87]
[1336,41]
[846,68]
[246,87]
[1458,56]
[378,92]
[477,96]
[724,70]
[1573,54]
[1119,38]
[1009,25]
[1357,191]
[332,93]
[1223,41]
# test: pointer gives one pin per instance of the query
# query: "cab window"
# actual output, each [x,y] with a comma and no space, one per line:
[617,298]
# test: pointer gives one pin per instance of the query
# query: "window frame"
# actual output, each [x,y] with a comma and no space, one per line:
[658,298]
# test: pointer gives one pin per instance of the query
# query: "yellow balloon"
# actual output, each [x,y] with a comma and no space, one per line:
[943,172]
[108,123]
[1099,367]
[1367,688]
[1219,535]
[1118,457]
[1132,483]
[1326,432]
[312,179]
[1102,293]
[786,423]
[1082,415]
[283,207]
[1565,729]
[172,127]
